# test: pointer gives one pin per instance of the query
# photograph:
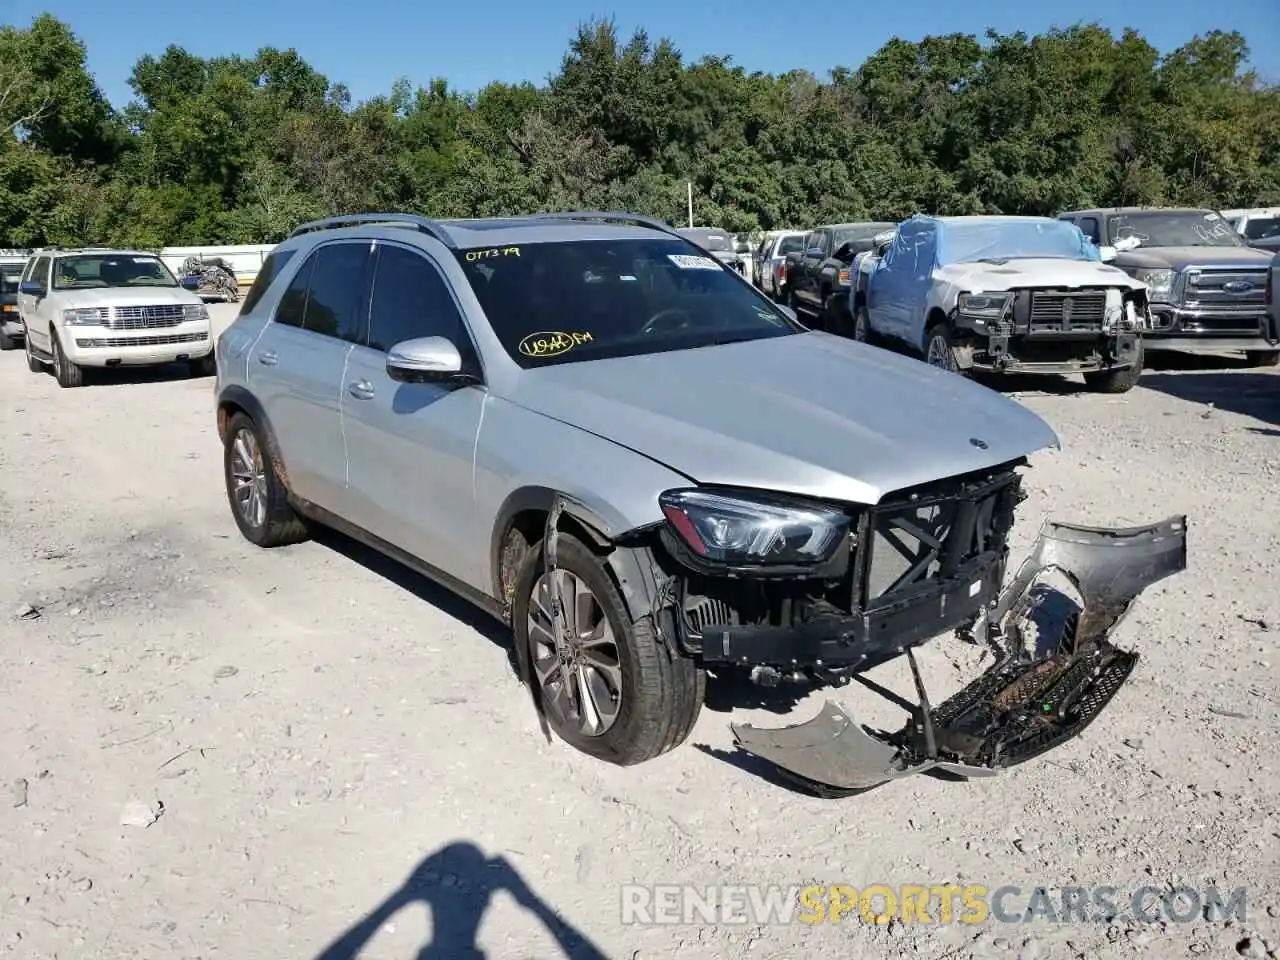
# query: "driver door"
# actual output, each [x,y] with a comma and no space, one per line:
[410,446]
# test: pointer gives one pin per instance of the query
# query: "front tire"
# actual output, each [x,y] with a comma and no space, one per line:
[613,691]
[938,349]
[1116,381]
[206,366]
[259,502]
[67,373]
[7,342]
[1262,358]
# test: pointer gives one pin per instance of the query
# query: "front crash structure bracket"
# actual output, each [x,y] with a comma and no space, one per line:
[1041,691]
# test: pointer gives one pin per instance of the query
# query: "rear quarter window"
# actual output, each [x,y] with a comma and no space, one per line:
[271,268]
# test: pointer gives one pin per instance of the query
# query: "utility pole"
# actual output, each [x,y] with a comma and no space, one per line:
[689,184]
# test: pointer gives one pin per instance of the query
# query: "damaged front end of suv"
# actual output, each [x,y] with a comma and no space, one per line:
[798,590]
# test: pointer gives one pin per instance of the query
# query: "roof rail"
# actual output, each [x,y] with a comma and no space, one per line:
[407,220]
[635,219]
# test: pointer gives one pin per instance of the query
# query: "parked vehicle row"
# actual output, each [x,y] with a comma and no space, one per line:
[12,263]
[610,441]
[1086,292]
[92,307]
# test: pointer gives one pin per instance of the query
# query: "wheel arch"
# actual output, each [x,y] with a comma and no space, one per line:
[236,399]
[521,523]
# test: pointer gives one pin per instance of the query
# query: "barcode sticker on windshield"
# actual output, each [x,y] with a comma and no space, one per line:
[688,262]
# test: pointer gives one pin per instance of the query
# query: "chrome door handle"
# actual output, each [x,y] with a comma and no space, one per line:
[268,358]
[361,390]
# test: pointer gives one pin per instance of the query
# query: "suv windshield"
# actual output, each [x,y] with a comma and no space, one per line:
[567,301]
[710,240]
[1262,228]
[10,275]
[1190,228]
[89,271]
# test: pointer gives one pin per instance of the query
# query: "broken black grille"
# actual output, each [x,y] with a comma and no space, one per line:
[1065,312]
[929,534]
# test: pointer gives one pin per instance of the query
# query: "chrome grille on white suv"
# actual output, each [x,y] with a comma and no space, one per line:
[147,316]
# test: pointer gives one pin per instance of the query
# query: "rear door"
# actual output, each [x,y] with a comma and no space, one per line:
[411,446]
[296,367]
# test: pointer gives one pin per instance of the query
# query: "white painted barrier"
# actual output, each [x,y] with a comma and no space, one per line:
[246,260]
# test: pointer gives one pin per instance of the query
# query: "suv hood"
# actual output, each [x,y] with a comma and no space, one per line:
[809,414]
[112,296]
[974,277]
[1178,257]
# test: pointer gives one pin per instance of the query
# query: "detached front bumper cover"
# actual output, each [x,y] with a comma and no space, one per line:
[1041,691]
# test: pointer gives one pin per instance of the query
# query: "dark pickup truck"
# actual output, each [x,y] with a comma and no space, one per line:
[1205,284]
[818,276]
[12,263]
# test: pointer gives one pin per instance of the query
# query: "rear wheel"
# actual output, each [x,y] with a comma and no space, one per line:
[7,342]
[33,364]
[1262,358]
[862,325]
[259,501]
[67,373]
[1116,381]
[609,687]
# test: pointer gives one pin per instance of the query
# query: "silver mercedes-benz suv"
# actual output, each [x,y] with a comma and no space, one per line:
[613,443]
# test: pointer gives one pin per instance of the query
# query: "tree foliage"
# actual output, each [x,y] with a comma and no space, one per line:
[239,150]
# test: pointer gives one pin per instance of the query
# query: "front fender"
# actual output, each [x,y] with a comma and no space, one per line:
[524,460]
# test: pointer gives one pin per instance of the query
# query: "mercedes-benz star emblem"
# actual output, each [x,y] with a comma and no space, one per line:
[978,442]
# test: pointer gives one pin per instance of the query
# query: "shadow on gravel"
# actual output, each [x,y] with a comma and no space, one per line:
[1252,394]
[119,376]
[734,690]
[424,589]
[456,883]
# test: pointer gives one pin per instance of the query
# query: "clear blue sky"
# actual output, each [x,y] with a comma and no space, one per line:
[367,44]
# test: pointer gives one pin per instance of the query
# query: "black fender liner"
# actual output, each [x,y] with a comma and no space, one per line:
[235,395]
[630,565]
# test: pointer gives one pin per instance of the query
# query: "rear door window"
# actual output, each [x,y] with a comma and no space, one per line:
[337,299]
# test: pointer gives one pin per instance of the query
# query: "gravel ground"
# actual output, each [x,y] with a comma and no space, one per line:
[219,751]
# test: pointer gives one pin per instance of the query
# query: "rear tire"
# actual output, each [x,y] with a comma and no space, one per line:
[660,694]
[272,522]
[67,373]
[1116,381]
[7,342]
[1262,358]
[33,364]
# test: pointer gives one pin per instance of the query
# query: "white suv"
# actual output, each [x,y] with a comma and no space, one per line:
[107,308]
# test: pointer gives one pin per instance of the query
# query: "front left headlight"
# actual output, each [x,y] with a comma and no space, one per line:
[85,317]
[195,311]
[990,306]
[1159,284]
[736,531]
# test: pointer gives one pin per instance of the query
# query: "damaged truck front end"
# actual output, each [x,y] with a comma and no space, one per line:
[794,590]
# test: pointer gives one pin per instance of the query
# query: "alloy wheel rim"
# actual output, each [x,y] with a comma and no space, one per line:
[580,676]
[249,478]
[940,353]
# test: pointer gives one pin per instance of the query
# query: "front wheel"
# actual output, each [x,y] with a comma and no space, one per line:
[608,687]
[68,374]
[7,342]
[206,366]
[938,349]
[1116,381]
[1262,358]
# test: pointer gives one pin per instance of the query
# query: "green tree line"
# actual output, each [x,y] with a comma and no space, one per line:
[240,149]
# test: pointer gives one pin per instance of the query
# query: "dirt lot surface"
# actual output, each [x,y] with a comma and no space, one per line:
[210,750]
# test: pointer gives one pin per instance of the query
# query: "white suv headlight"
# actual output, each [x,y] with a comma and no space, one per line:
[195,311]
[85,317]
